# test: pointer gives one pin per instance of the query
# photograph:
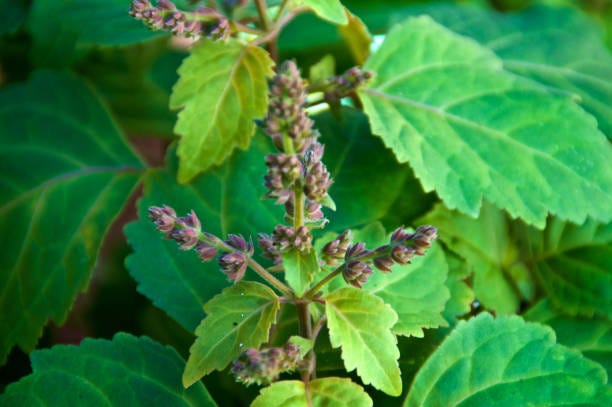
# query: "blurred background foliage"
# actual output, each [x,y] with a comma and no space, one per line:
[134,75]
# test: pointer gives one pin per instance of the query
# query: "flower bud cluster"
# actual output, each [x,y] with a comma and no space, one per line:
[165,16]
[298,166]
[347,83]
[187,232]
[284,239]
[356,260]
[264,366]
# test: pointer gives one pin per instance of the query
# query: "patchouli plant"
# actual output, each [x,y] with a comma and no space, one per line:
[305,203]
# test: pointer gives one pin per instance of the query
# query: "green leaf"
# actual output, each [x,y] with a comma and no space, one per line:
[126,371]
[327,392]
[461,294]
[133,82]
[221,90]
[62,31]
[226,200]
[592,336]
[299,269]
[507,362]
[66,172]
[304,344]
[360,323]
[486,246]
[330,10]
[14,13]
[237,319]
[431,102]
[321,71]
[574,265]
[357,37]
[417,292]
[367,178]
[558,47]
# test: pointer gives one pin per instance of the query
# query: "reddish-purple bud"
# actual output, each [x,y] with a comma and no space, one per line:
[233,265]
[206,252]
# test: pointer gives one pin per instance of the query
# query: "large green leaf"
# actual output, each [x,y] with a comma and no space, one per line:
[367,178]
[65,29]
[360,323]
[558,47]
[507,362]
[574,265]
[237,319]
[591,336]
[221,90]
[327,392]
[134,81]
[417,292]
[226,200]
[126,371]
[486,246]
[65,172]
[330,10]
[471,131]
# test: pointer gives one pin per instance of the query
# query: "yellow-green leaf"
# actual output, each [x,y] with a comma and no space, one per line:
[222,89]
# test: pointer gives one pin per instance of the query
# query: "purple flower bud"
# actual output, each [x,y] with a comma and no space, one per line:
[164,218]
[233,265]
[400,235]
[356,272]
[384,264]
[403,254]
[206,252]
[187,238]
[238,242]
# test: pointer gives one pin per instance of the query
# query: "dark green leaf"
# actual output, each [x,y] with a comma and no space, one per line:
[417,292]
[126,371]
[14,13]
[360,323]
[299,269]
[574,264]
[133,80]
[327,392]
[591,336]
[66,173]
[64,30]
[237,319]
[226,200]
[507,362]
[222,89]
[357,37]
[486,245]
[472,131]
[367,178]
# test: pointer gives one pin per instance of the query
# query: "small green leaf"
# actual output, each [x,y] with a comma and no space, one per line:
[461,294]
[226,200]
[64,30]
[66,172]
[591,336]
[321,71]
[327,392]
[361,323]
[507,362]
[523,155]
[304,344]
[299,269]
[486,245]
[357,37]
[237,319]
[126,371]
[574,265]
[330,10]
[417,292]
[222,89]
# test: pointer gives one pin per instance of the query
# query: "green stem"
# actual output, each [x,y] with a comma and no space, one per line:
[280,11]
[298,210]
[305,326]
[313,291]
[263,14]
